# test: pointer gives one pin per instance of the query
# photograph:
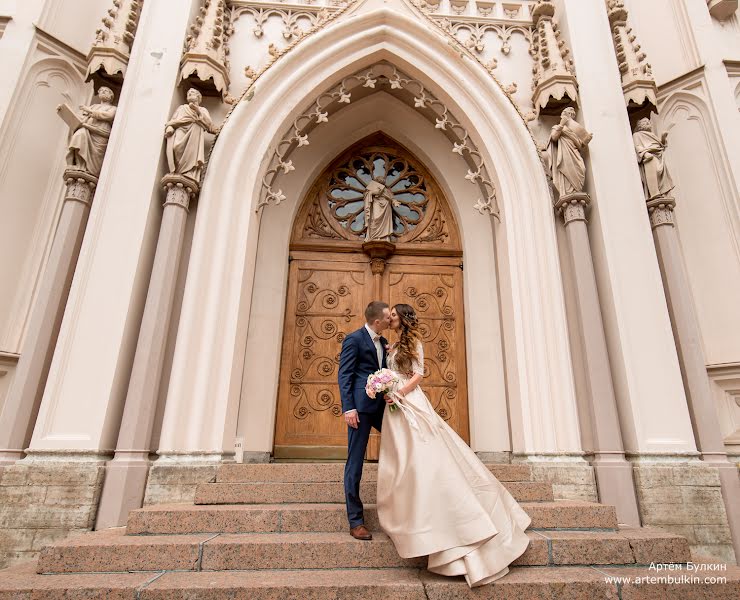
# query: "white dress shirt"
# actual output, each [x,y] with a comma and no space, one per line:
[376,340]
[378,348]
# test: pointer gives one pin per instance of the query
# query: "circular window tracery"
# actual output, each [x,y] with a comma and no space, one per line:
[348,186]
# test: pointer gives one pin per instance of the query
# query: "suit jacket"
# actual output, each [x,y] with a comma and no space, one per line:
[357,360]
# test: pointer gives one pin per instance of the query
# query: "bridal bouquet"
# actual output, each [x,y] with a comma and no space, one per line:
[383,380]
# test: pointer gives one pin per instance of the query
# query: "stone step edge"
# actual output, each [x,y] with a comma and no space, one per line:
[222,493]
[138,519]
[144,586]
[194,549]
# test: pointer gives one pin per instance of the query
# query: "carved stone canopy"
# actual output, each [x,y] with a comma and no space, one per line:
[334,213]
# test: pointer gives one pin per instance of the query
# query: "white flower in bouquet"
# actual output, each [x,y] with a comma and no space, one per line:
[381,381]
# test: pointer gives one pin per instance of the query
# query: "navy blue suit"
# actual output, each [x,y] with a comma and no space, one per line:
[358,359]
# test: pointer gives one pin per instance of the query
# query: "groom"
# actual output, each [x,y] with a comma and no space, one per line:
[363,353]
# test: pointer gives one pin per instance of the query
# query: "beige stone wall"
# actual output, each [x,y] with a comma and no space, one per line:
[44,502]
[685,498]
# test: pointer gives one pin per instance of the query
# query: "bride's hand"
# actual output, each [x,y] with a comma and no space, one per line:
[398,396]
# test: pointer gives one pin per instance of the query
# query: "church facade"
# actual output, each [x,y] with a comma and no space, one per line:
[200,197]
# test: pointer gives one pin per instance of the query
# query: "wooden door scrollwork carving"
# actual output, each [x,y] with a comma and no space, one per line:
[335,272]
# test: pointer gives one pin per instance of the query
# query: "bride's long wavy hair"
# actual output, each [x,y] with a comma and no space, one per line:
[410,337]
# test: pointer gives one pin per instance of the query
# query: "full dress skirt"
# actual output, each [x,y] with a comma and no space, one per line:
[437,499]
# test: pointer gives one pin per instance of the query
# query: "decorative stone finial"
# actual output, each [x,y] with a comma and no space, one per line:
[205,63]
[638,84]
[554,82]
[108,57]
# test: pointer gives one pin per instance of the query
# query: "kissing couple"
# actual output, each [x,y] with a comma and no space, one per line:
[435,497]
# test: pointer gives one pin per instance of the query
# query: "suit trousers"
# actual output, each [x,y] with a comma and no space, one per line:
[356,447]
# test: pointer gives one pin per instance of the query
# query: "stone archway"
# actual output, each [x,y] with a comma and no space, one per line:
[210,371]
[332,278]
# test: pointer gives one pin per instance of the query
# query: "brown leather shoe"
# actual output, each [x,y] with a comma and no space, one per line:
[361,533]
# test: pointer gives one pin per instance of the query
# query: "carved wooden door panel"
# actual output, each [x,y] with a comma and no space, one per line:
[326,301]
[434,289]
[331,282]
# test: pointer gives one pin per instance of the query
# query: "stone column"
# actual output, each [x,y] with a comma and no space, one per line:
[613,472]
[691,355]
[653,415]
[22,405]
[126,474]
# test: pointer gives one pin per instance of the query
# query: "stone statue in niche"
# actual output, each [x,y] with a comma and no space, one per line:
[379,204]
[185,133]
[90,133]
[567,140]
[656,180]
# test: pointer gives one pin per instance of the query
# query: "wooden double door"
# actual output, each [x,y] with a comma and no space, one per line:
[327,295]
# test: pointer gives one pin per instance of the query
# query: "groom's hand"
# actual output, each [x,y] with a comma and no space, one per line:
[352,418]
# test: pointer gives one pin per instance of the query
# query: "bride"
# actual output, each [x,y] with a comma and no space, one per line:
[435,497]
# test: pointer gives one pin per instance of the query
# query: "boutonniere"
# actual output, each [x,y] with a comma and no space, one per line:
[387,347]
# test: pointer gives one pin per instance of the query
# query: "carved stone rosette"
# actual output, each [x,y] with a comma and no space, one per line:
[80,186]
[554,82]
[572,207]
[180,190]
[108,57]
[638,83]
[205,63]
[661,212]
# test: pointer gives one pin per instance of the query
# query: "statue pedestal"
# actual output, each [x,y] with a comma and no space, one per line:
[378,251]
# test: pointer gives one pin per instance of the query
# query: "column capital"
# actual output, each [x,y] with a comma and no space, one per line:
[661,211]
[180,190]
[572,207]
[80,186]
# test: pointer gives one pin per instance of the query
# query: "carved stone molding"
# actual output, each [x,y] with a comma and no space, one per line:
[205,63]
[109,55]
[291,13]
[722,9]
[384,77]
[554,82]
[638,83]
[80,186]
[661,212]
[180,190]
[471,31]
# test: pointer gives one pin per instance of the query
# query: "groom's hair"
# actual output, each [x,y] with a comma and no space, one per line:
[375,310]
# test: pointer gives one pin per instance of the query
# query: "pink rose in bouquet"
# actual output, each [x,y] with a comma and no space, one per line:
[381,381]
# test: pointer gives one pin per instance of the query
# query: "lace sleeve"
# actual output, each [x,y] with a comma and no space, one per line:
[417,366]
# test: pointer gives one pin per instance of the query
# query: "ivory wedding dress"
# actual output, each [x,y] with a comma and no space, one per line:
[436,498]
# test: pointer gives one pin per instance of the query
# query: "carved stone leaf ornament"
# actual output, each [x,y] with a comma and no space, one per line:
[389,78]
